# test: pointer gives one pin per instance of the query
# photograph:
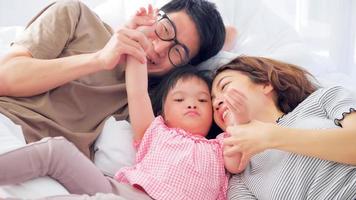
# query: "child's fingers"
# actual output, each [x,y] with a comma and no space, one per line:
[150,10]
[141,11]
[144,21]
[245,159]
[155,12]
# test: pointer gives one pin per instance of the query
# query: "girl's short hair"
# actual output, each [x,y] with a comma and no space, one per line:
[291,83]
[159,93]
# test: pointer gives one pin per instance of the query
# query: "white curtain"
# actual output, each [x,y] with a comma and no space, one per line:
[326,28]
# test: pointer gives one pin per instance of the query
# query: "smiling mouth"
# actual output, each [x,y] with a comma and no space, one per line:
[228,118]
[150,61]
[225,115]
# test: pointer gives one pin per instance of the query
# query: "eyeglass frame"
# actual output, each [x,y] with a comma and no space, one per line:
[162,15]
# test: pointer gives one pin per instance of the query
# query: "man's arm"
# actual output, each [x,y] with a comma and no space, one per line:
[23,75]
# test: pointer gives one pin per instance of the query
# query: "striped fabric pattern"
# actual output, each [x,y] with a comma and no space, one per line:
[275,174]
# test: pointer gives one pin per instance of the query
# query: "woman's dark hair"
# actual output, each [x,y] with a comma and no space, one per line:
[291,83]
[159,94]
[208,22]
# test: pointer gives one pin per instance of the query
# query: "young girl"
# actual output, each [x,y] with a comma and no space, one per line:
[174,159]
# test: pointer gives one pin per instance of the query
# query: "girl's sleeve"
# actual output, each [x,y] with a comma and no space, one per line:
[338,102]
[145,143]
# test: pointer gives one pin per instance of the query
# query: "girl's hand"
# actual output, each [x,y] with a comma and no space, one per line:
[144,21]
[130,40]
[232,162]
[236,103]
[143,17]
[249,139]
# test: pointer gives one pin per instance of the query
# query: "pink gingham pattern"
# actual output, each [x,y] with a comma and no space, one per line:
[173,164]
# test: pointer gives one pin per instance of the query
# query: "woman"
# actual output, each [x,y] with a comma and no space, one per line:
[300,141]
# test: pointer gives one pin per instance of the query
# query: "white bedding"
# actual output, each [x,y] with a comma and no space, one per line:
[255,38]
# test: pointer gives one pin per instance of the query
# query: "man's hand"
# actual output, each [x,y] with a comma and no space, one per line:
[132,40]
[144,21]
[124,42]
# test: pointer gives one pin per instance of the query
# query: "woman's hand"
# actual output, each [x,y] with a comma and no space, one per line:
[249,139]
[236,103]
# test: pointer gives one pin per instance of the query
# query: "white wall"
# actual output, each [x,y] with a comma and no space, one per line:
[19,12]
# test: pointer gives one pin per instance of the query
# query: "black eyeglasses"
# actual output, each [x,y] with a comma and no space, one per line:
[166,30]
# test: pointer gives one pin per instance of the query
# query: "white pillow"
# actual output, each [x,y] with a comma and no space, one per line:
[114,147]
[220,59]
[7,35]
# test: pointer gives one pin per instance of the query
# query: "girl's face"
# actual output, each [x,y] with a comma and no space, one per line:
[188,106]
[232,79]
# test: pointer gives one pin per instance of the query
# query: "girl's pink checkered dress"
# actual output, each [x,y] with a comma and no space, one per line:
[173,164]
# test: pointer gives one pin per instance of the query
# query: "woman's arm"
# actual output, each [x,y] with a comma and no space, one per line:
[140,108]
[330,144]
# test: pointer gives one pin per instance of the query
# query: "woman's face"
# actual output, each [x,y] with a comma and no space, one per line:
[188,106]
[229,80]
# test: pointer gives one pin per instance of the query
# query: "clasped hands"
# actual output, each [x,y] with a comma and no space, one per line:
[131,39]
[247,137]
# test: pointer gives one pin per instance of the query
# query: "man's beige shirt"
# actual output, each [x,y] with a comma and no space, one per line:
[78,109]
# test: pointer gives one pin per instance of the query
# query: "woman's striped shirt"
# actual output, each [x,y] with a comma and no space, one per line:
[275,174]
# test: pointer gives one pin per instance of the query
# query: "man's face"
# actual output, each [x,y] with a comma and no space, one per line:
[174,40]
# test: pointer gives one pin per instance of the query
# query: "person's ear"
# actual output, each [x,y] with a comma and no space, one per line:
[267,88]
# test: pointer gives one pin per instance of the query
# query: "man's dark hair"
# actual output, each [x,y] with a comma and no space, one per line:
[159,94]
[208,22]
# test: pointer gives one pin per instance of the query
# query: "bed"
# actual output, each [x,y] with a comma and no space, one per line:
[255,37]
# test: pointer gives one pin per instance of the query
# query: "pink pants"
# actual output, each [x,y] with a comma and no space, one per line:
[61,160]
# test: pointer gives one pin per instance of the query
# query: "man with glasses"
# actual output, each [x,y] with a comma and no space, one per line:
[165,30]
[64,75]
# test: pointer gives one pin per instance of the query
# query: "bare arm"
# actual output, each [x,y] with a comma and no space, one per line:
[330,144]
[140,108]
[23,75]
